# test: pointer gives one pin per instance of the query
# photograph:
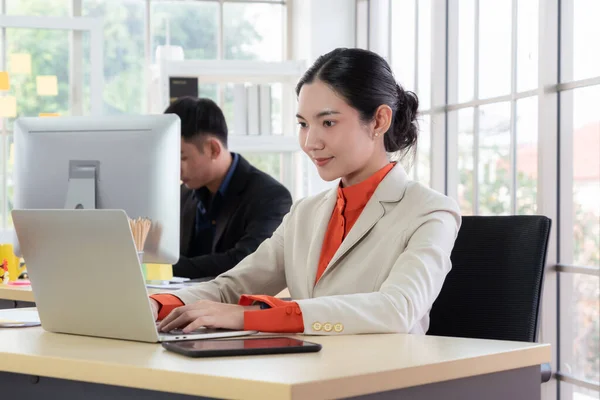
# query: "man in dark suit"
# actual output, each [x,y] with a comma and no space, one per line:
[228,207]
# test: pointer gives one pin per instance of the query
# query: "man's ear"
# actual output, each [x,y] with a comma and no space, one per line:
[214,148]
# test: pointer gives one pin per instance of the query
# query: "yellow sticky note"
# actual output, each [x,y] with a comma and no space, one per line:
[49,114]
[8,106]
[20,63]
[4,82]
[159,272]
[47,85]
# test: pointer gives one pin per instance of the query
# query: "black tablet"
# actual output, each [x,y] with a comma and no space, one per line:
[241,347]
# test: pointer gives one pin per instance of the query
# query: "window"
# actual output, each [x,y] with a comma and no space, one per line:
[124,25]
[579,315]
[191,25]
[49,54]
[494,50]
[580,53]
[251,30]
[495,122]
[46,52]
[579,199]
[467,198]
[494,116]
[227,30]
[39,8]
[526,155]
[521,85]
[410,56]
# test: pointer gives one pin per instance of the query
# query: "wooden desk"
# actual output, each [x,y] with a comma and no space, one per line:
[24,294]
[12,296]
[16,293]
[369,366]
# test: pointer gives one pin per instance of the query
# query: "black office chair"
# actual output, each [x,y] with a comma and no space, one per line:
[495,286]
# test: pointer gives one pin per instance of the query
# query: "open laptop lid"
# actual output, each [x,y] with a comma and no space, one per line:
[86,277]
[85,274]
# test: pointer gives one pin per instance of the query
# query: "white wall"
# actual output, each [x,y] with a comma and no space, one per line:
[319,26]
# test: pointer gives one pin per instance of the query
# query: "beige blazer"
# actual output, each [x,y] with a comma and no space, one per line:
[384,277]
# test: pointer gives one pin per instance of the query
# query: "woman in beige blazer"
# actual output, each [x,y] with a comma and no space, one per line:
[391,265]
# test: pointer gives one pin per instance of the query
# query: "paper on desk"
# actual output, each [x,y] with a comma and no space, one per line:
[19,317]
[167,286]
[178,279]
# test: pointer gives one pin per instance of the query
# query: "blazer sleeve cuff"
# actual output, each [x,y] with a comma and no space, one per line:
[282,319]
[166,303]
[273,302]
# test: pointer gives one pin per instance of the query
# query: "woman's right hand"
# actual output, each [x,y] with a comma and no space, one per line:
[155,307]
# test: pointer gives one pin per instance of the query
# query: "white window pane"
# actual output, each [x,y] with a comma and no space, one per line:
[41,8]
[253,31]
[466,50]
[404,43]
[581,52]
[424,151]
[494,47]
[124,88]
[574,392]
[527,44]
[527,155]
[586,175]
[49,51]
[466,161]
[494,159]
[191,25]
[362,24]
[424,50]
[579,328]
[269,163]
[209,91]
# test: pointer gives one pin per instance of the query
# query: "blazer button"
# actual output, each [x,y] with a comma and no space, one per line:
[298,311]
[288,310]
[338,327]
[317,326]
[327,327]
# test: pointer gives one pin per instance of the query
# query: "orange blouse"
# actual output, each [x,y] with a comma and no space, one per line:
[286,316]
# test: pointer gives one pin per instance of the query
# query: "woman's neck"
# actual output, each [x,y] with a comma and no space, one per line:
[365,172]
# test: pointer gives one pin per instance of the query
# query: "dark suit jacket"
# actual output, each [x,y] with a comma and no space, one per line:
[252,209]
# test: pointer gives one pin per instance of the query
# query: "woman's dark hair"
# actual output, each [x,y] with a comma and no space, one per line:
[365,80]
[199,117]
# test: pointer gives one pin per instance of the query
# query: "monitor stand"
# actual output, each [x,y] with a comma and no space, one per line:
[81,191]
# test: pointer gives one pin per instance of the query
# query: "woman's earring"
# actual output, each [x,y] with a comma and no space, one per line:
[377,134]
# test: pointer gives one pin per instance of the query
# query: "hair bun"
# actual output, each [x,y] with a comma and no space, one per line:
[408,100]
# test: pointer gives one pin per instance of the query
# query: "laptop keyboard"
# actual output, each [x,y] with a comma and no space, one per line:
[179,332]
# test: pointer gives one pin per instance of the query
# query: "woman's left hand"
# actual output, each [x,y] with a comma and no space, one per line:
[204,313]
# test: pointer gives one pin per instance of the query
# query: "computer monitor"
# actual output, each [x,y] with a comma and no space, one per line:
[131,163]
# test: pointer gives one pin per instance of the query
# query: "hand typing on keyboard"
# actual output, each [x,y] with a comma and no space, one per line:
[204,313]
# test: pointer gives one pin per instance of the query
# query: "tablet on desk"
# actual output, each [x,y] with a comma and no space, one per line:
[241,347]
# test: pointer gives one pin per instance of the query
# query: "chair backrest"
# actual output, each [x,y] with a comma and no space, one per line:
[494,288]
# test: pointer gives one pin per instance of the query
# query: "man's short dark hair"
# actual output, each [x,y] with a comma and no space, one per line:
[199,117]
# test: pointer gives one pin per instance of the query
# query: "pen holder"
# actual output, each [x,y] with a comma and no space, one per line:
[140,255]
[140,227]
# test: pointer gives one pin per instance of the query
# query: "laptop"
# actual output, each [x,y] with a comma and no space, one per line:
[86,277]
